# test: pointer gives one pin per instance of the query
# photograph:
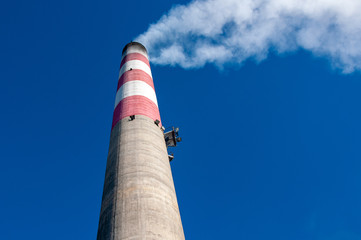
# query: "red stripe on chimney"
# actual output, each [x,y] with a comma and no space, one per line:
[134,56]
[135,105]
[135,74]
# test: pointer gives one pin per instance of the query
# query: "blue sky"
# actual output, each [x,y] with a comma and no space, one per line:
[270,150]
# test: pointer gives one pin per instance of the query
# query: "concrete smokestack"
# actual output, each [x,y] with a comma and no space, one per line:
[139,199]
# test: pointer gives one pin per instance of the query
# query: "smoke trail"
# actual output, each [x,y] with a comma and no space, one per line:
[231,31]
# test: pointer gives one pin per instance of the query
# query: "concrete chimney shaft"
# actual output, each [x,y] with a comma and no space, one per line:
[139,199]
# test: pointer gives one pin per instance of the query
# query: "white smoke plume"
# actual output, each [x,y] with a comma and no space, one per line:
[230,31]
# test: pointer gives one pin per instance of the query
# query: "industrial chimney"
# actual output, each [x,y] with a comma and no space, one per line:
[139,199]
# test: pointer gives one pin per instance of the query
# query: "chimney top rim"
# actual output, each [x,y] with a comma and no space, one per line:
[134,44]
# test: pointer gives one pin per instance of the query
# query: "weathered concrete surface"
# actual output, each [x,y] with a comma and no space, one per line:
[139,199]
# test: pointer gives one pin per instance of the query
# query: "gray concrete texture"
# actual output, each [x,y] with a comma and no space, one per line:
[139,199]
